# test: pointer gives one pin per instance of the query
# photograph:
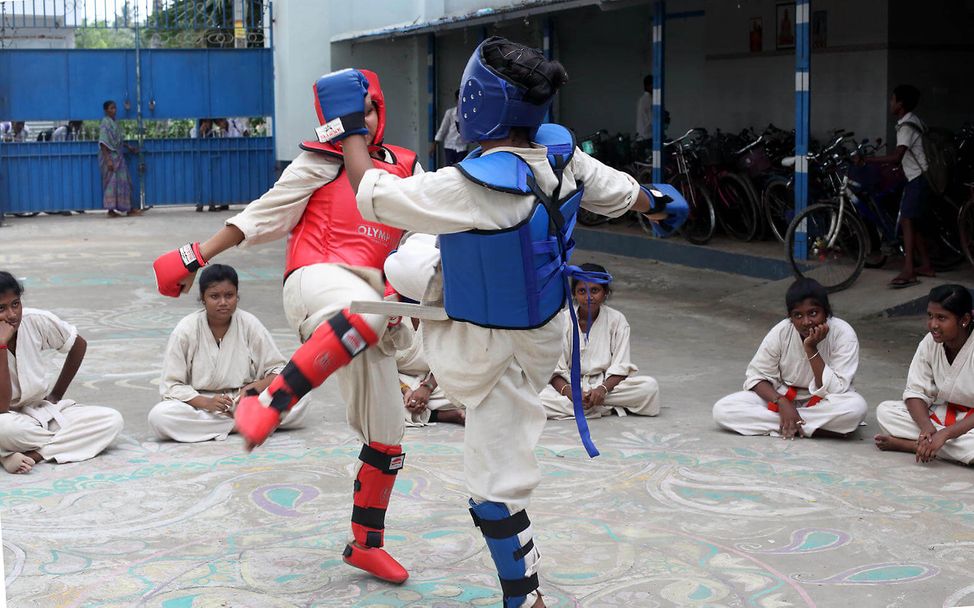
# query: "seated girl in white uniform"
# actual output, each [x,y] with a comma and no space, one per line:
[934,417]
[800,379]
[609,383]
[36,422]
[215,355]
[424,400]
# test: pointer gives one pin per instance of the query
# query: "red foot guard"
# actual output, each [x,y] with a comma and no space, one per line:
[255,421]
[376,562]
[373,488]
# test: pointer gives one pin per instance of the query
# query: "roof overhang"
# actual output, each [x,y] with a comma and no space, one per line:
[484,16]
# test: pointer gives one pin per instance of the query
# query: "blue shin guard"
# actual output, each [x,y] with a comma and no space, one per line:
[501,530]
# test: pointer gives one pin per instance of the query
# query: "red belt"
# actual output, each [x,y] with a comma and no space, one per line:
[951,417]
[790,395]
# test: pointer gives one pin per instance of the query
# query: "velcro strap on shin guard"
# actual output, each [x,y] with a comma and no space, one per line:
[390,464]
[500,530]
[349,336]
[373,487]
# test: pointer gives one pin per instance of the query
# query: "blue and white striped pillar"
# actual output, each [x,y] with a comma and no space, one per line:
[549,33]
[803,115]
[659,19]
[431,95]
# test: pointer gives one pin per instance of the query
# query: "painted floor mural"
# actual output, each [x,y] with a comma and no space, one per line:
[673,514]
[657,520]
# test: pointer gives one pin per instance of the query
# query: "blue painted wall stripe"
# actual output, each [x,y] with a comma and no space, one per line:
[431,95]
[803,111]
[659,49]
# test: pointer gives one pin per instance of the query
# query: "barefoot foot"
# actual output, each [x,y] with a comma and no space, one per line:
[894,444]
[17,463]
[452,416]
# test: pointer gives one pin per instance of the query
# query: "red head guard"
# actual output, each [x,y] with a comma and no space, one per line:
[378,100]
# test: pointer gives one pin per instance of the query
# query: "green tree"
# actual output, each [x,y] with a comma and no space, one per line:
[101,35]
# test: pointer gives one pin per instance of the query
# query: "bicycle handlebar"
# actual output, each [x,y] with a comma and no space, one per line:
[750,146]
[685,135]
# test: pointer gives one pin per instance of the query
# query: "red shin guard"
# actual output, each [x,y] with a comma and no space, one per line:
[330,348]
[373,487]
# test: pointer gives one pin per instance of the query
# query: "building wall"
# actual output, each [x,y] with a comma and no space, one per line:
[401,66]
[752,89]
[933,51]
[303,52]
[712,77]
[606,61]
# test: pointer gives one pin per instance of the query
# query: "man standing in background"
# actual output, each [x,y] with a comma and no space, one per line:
[454,149]
[644,111]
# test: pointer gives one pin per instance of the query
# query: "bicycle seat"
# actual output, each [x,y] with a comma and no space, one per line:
[789,161]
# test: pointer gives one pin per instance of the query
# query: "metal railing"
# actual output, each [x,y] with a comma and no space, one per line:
[164,23]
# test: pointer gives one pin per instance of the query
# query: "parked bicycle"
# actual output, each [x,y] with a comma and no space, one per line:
[831,241]
[701,220]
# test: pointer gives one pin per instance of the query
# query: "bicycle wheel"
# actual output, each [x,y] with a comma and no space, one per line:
[778,200]
[590,218]
[965,225]
[701,220]
[943,233]
[736,212]
[834,247]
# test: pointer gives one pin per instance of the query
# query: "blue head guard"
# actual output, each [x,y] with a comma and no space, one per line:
[491,104]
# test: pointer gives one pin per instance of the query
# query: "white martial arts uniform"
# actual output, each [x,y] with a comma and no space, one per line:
[64,431]
[937,383]
[781,360]
[413,369]
[496,374]
[605,353]
[504,413]
[195,364]
[313,294]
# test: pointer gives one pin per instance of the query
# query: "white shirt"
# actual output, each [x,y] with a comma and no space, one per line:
[195,362]
[644,116]
[39,333]
[604,353]
[448,134]
[781,360]
[933,379]
[915,160]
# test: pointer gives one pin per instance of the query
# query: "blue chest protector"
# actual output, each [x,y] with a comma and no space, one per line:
[518,277]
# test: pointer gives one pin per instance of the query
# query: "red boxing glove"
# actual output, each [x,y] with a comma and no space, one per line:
[254,420]
[176,265]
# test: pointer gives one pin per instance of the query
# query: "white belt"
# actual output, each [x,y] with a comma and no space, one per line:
[47,411]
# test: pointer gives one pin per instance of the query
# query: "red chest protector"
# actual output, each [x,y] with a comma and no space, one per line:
[332,231]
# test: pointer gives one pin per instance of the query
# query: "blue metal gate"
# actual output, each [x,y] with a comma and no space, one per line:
[155,83]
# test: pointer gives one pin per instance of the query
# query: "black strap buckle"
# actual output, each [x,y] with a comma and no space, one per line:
[390,464]
[519,587]
[502,528]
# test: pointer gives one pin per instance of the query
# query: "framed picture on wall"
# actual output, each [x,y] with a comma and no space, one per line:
[756,36]
[820,29]
[785,26]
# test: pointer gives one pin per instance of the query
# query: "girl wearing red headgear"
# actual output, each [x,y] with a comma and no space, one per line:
[334,256]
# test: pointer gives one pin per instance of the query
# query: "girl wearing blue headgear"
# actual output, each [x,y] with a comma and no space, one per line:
[504,217]
[609,379]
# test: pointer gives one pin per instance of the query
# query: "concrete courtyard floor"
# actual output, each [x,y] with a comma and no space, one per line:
[674,512]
